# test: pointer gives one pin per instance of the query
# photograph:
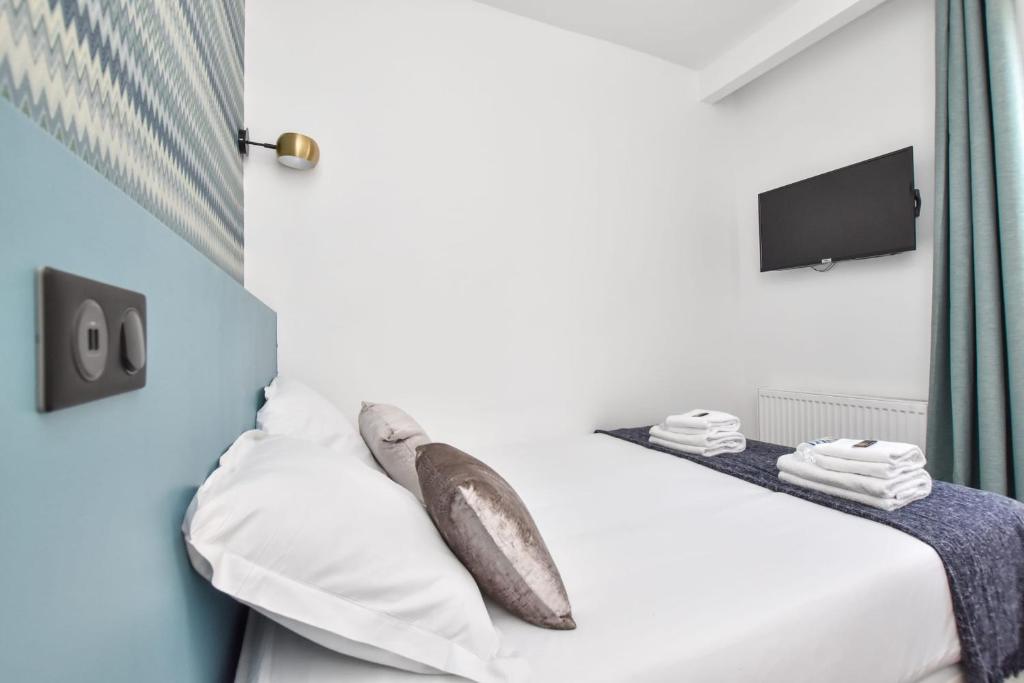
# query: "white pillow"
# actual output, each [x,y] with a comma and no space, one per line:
[293,409]
[341,555]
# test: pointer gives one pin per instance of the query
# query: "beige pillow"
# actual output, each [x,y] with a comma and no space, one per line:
[488,527]
[392,437]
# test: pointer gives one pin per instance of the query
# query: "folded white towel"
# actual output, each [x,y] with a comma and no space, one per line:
[888,504]
[704,419]
[891,452]
[805,450]
[703,439]
[882,470]
[709,451]
[710,431]
[906,485]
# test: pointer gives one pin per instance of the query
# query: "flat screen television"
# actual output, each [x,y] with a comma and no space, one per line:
[864,210]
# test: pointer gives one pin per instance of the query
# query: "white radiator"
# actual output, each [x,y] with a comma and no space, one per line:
[789,417]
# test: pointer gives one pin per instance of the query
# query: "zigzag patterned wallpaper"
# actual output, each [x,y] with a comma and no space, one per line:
[148,92]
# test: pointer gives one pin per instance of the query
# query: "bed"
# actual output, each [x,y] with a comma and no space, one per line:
[680,573]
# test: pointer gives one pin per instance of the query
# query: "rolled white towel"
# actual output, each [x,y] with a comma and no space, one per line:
[704,439]
[708,451]
[881,470]
[891,452]
[887,504]
[906,485]
[704,419]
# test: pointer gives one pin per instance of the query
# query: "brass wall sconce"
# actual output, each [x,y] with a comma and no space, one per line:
[294,150]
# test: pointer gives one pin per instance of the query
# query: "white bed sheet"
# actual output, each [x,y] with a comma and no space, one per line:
[679,573]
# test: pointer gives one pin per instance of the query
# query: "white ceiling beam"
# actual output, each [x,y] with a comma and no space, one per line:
[792,31]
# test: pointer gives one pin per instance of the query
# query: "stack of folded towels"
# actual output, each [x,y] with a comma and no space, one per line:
[883,474]
[700,432]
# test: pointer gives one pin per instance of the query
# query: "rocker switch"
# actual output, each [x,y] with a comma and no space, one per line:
[133,342]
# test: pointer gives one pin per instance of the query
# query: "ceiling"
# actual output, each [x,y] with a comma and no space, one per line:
[688,32]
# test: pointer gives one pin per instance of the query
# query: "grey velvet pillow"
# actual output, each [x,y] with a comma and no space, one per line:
[392,436]
[489,529]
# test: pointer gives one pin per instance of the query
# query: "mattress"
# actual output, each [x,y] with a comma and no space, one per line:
[677,572]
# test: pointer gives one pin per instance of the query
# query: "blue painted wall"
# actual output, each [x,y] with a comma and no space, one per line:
[94,581]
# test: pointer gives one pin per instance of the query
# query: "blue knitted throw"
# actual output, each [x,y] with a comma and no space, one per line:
[978,535]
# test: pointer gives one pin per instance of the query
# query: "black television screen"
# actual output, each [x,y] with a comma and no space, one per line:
[863,210]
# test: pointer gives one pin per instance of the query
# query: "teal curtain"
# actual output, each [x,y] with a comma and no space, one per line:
[976,402]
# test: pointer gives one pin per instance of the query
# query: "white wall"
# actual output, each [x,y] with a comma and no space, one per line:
[862,328]
[519,231]
[514,230]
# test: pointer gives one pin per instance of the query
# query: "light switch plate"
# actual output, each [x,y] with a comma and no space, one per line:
[87,340]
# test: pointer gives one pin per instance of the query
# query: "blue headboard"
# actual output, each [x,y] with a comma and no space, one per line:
[94,581]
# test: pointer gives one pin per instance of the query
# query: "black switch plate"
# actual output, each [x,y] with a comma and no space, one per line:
[81,346]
